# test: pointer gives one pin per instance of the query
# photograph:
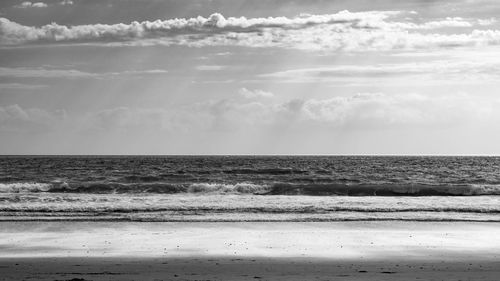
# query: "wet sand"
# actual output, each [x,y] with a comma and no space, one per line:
[249,251]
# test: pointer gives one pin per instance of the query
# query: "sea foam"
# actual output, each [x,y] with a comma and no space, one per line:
[332,189]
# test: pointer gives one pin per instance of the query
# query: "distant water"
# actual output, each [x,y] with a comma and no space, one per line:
[240,188]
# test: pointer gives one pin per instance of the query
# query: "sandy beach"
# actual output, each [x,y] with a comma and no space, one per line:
[249,251]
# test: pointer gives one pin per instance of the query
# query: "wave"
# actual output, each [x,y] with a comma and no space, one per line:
[335,189]
[19,187]
[383,190]
[227,188]
[265,171]
[244,209]
[111,187]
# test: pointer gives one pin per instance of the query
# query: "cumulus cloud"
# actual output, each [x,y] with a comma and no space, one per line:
[28,4]
[348,31]
[486,22]
[382,111]
[251,94]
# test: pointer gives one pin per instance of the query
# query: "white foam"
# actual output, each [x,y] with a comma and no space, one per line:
[20,187]
[226,188]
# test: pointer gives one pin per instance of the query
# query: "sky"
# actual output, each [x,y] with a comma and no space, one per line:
[416,77]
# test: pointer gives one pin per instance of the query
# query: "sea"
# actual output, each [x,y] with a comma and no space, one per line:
[249,188]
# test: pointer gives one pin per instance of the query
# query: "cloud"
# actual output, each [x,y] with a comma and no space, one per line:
[40,72]
[360,112]
[210,67]
[19,86]
[374,111]
[485,22]
[124,119]
[134,72]
[445,23]
[13,118]
[66,2]
[251,94]
[365,111]
[28,4]
[343,31]
[453,69]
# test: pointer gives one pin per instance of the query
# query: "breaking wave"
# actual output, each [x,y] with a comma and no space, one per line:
[384,190]
[104,188]
[226,188]
[252,188]
[20,187]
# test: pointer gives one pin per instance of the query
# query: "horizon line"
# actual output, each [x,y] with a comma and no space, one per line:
[256,155]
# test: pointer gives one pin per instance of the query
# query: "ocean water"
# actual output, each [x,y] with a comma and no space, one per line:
[249,188]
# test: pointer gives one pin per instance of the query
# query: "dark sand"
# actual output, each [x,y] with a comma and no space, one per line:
[224,268]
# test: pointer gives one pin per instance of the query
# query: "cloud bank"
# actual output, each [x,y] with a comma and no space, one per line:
[365,111]
[347,31]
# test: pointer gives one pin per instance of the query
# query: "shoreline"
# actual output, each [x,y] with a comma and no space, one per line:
[249,217]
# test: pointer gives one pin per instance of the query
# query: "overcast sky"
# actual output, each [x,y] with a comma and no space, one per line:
[249,77]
